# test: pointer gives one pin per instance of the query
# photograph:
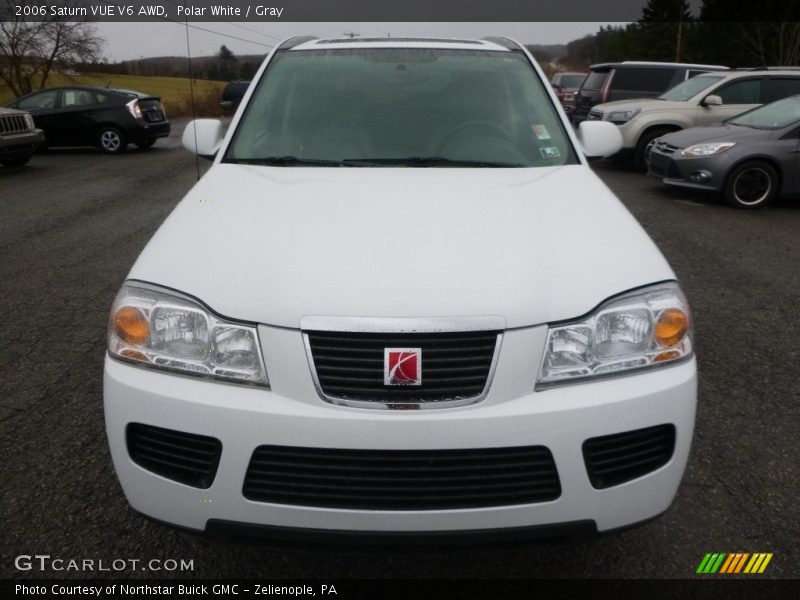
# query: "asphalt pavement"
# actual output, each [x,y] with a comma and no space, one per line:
[73,222]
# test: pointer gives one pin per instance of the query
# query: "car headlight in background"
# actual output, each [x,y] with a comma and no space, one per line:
[29,121]
[706,149]
[619,117]
[163,329]
[640,329]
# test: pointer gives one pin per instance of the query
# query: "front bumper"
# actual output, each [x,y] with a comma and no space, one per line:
[292,414]
[673,169]
[16,145]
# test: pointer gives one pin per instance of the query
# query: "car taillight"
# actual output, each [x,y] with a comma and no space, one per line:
[133,108]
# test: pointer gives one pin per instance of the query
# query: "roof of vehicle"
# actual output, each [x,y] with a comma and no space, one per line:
[737,73]
[94,88]
[644,63]
[495,44]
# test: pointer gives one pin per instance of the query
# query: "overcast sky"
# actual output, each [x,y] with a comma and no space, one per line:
[134,40]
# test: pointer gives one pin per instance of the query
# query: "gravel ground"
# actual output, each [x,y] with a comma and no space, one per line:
[73,222]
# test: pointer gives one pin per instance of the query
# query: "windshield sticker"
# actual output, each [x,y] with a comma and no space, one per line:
[549,152]
[541,132]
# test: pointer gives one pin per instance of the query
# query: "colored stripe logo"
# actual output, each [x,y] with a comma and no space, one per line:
[733,563]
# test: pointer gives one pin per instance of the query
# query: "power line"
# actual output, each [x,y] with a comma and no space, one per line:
[183,24]
[240,26]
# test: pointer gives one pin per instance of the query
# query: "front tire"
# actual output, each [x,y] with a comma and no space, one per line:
[20,161]
[111,140]
[751,185]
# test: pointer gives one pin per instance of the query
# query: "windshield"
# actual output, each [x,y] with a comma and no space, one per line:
[689,88]
[572,81]
[400,107]
[777,115]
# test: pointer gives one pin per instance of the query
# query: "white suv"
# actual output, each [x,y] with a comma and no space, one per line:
[400,302]
[706,99]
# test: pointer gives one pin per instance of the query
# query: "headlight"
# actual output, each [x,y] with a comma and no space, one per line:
[29,121]
[707,149]
[619,117]
[162,329]
[641,329]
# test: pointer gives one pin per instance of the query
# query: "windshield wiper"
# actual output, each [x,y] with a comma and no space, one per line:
[288,161]
[430,161]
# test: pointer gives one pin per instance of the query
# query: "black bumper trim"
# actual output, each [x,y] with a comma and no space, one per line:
[322,538]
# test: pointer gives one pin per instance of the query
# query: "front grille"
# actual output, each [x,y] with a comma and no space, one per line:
[183,457]
[402,479]
[665,148]
[13,124]
[615,459]
[455,366]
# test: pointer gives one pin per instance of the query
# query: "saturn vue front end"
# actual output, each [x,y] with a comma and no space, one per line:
[400,303]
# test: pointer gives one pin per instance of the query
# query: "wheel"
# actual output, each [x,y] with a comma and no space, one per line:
[145,144]
[111,140]
[640,152]
[752,184]
[16,162]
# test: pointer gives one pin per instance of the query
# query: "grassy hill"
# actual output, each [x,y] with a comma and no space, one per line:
[174,91]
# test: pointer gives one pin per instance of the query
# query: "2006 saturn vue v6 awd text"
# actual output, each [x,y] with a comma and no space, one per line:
[400,303]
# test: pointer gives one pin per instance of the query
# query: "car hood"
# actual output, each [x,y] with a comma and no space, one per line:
[273,245]
[715,133]
[646,104]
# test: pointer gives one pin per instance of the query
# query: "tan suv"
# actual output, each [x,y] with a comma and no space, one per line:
[18,137]
[706,99]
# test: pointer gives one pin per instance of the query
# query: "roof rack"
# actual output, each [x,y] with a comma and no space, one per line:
[647,63]
[296,41]
[502,41]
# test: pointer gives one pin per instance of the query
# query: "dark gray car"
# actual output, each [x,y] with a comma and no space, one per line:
[750,159]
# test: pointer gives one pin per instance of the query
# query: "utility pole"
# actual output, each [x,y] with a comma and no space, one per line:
[680,32]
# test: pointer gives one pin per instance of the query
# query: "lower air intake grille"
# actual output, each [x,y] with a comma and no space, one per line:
[401,479]
[183,457]
[615,459]
[454,366]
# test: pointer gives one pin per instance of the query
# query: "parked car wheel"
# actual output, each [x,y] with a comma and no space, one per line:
[640,154]
[146,144]
[112,141]
[752,184]
[16,162]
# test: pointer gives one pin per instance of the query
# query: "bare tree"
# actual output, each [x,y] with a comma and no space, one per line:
[30,51]
[774,43]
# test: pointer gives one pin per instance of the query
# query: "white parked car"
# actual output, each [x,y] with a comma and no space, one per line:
[400,302]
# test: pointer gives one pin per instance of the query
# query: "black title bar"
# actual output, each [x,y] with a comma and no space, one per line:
[604,11]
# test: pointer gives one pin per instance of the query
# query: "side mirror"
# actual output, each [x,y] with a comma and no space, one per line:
[599,138]
[712,100]
[203,137]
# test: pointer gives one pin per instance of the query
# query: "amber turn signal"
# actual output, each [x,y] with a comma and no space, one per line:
[671,325]
[131,325]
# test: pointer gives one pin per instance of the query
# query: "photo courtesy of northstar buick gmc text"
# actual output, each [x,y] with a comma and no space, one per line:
[400,303]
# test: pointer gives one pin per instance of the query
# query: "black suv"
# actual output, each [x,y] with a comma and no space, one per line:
[96,116]
[632,79]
